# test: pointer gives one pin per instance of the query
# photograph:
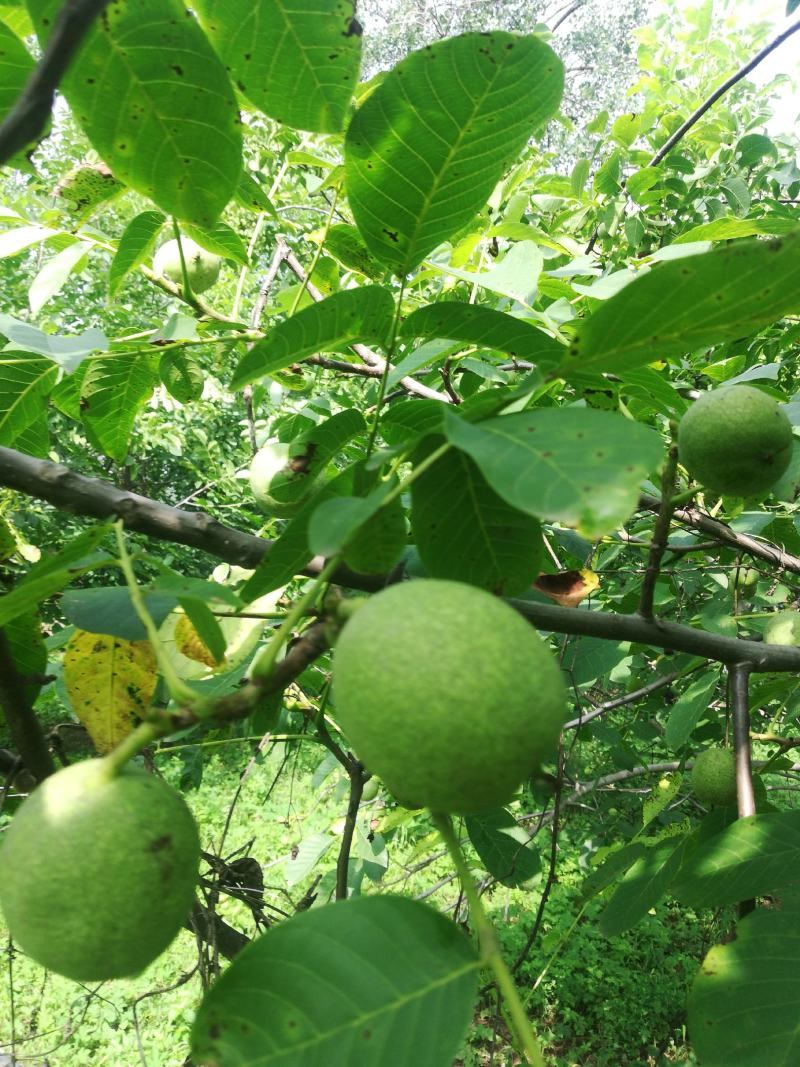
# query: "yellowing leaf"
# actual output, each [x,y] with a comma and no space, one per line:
[110,684]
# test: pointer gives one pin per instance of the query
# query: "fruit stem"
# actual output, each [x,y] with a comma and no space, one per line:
[263,666]
[144,734]
[489,944]
[679,499]
[390,350]
[180,692]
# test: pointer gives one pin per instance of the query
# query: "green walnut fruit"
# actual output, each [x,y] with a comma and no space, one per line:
[735,440]
[746,579]
[202,267]
[783,628]
[370,790]
[269,474]
[283,476]
[447,694]
[714,777]
[98,871]
[8,542]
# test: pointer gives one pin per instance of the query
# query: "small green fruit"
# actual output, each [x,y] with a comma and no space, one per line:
[783,628]
[370,790]
[202,267]
[283,476]
[735,440]
[447,694]
[268,475]
[8,542]
[98,871]
[746,579]
[714,777]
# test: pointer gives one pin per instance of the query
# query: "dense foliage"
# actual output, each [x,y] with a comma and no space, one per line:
[275,338]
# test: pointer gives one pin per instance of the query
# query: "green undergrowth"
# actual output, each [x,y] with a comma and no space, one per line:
[601,1002]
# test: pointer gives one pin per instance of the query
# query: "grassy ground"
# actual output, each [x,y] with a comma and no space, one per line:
[600,1002]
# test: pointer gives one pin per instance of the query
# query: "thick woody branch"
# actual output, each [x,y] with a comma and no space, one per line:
[24,726]
[91,497]
[27,119]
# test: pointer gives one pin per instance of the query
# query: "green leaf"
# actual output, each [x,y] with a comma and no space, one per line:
[791,6]
[485,328]
[67,351]
[290,553]
[354,315]
[16,18]
[642,887]
[109,610]
[296,60]
[756,855]
[687,709]
[426,148]
[25,380]
[181,376]
[573,465]
[745,1000]
[727,229]
[52,573]
[516,275]
[134,247]
[346,245]
[613,867]
[155,101]
[55,273]
[113,391]
[309,852]
[222,240]
[466,532]
[408,420]
[205,623]
[344,984]
[28,650]
[251,196]
[12,242]
[503,846]
[681,304]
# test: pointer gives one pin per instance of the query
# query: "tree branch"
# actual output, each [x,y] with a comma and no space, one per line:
[372,359]
[23,723]
[29,115]
[660,533]
[91,497]
[738,676]
[356,774]
[698,113]
[629,698]
[751,546]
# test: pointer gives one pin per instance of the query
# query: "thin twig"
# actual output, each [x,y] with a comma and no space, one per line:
[356,774]
[739,676]
[660,532]
[698,113]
